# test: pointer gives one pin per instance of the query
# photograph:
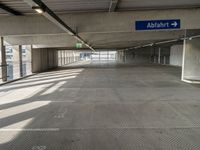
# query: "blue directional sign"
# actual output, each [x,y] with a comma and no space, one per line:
[158,24]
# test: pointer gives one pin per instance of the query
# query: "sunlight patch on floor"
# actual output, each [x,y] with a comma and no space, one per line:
[5,137]
[22,108]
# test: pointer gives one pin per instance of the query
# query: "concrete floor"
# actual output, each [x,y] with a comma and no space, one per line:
[102,107]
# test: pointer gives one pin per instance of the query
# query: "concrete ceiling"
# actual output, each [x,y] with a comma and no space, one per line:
[69,6]
[101,40]
[156,4]
[97,31]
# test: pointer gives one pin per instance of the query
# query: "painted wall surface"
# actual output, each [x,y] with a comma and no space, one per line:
[176,55]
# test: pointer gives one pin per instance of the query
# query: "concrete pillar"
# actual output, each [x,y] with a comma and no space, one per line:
[65,57]
[61,55]
[74,57]
[119,55]
[176,55]
[159,50]
[28,59]
[124,56]
[164,61]
[99,55]
[3,61]
[20,61]
[55,58]
[70,56]
[59,58]
[191,61]
[16,62]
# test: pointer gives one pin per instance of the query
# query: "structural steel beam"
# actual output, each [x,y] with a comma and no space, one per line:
[113,5]
[10,10]
[50,15]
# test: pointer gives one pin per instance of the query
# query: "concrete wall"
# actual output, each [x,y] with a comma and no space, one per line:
[120,56]
[52,59]
[160,55]
[43,59]
[135,56]
[176,55]
[191,68]
[139,56]
[157,55]
[39,60]
[67,56]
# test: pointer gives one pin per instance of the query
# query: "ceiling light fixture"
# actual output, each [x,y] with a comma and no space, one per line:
[38,9]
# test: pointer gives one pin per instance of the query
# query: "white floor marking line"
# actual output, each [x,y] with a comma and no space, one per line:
[32,130]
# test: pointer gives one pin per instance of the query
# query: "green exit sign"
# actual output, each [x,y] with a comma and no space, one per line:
[79,45]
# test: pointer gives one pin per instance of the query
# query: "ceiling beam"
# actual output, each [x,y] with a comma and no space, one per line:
[89,23]
[50,15]
[113,5]
[10,10]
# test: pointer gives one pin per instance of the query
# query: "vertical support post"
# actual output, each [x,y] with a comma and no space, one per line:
[124,56]
[20,61]
[99,55]
[67,57]
[107,55]
[151,55]
[159,49]
[29,59]
[74,57]
[164,61]
[183,61]
[191,61]
[3,61]
[64,57]
[16,61]
[61,53]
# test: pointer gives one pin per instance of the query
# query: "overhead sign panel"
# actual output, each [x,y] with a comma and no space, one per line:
[158,24]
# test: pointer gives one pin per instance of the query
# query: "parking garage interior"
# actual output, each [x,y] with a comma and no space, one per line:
[89,75]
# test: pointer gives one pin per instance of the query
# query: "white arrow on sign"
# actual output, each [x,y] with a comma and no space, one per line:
[174,24]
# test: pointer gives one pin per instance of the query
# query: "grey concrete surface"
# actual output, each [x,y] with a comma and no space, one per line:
[94,22]
[104,106]
[176,55]
[191,69]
